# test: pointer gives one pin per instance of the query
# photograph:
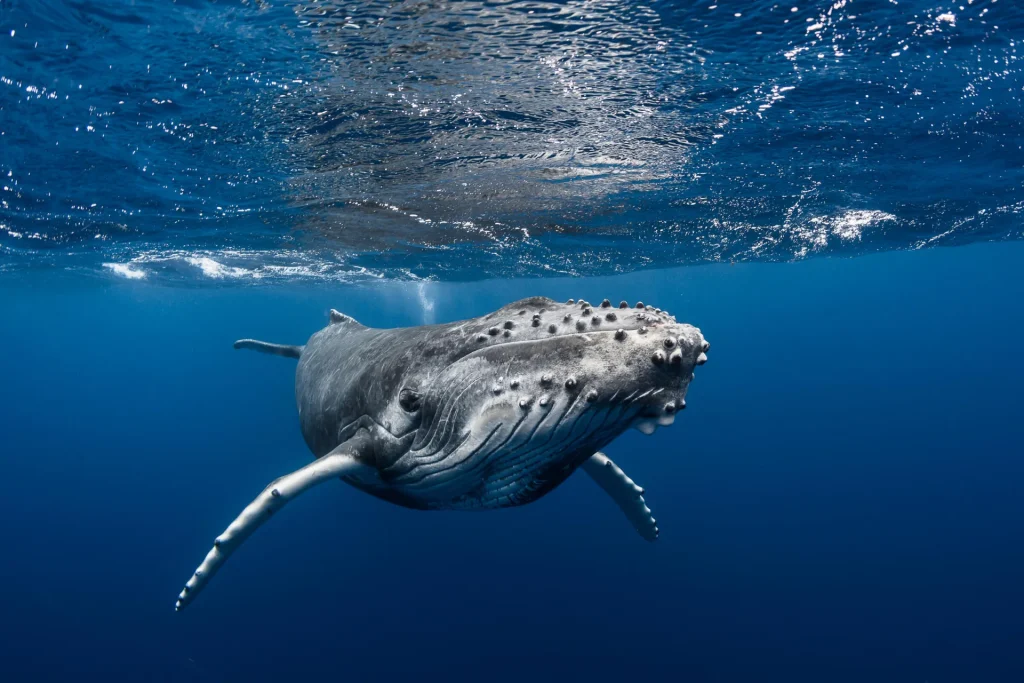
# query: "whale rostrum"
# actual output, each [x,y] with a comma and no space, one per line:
[478,414]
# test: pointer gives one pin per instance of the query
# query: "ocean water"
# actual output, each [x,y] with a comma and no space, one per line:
[831,191]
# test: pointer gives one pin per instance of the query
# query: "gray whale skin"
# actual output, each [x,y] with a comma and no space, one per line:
[485,413]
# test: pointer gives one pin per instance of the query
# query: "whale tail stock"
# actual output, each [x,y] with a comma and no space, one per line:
[286,350]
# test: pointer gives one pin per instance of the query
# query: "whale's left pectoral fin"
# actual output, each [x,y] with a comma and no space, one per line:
[626,494]
[339,462]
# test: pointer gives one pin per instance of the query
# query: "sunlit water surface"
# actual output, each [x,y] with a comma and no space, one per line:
[268,140]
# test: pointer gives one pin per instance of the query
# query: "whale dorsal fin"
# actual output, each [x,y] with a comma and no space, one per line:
[337,317]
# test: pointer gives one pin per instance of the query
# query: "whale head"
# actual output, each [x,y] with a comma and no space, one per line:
[543,385]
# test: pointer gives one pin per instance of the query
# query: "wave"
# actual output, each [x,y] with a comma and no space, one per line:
[264,142]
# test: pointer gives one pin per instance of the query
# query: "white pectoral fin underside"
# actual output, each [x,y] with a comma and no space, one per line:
[624,491]
[341,461]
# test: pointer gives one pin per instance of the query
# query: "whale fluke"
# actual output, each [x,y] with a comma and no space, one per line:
[286,350]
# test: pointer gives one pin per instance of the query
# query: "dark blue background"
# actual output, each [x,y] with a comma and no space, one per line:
[840,502]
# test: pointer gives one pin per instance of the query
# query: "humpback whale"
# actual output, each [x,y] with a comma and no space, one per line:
[478,414]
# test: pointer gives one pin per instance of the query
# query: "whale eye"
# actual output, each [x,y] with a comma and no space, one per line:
[409,400]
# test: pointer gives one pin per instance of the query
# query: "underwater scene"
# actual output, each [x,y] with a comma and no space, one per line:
[661,341]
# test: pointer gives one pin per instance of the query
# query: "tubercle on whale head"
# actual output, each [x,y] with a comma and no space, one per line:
[682,347]
[539,316]
[563,357]
[635,368]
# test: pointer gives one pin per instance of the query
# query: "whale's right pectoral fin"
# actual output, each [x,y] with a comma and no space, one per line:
[342,461]
[624,491]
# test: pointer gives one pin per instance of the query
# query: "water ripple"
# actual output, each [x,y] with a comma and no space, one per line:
[261,141]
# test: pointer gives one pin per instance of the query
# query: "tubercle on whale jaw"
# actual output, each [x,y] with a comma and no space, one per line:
[544,390]
[653,416]
[646,422]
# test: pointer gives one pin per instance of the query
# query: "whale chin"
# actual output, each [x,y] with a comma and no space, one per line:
[649,425]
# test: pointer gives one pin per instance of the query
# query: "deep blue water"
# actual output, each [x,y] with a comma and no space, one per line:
[832,191]
[841,500]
